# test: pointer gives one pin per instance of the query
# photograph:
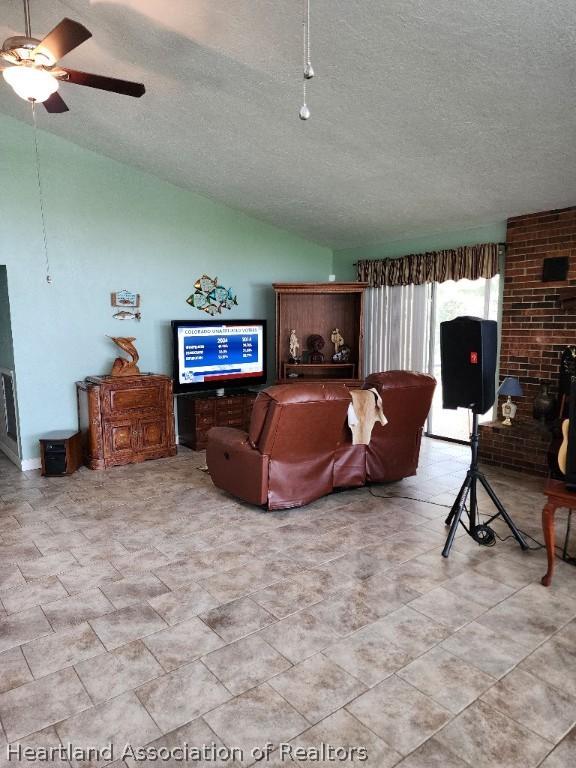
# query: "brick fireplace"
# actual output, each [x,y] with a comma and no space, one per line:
[535,331]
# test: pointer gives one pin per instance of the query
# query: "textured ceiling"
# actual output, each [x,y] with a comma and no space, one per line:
[426,116]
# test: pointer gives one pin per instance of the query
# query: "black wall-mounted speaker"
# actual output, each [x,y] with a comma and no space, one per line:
[555,269]
[468,347]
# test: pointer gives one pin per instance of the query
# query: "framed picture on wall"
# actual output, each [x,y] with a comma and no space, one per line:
[125,298]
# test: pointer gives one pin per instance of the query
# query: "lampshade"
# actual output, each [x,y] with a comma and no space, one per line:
[510,386]
[31,83]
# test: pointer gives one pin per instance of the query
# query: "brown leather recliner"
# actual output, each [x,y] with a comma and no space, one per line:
[299,446]
[394,449]
[287,457]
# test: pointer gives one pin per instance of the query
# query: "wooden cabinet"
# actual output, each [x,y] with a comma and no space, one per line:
[318,308]
[126,419]
[200,412]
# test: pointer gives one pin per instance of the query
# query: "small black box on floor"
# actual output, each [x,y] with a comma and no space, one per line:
[60,452]
[468,357]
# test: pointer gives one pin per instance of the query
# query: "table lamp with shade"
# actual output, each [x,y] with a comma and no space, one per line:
[509,387]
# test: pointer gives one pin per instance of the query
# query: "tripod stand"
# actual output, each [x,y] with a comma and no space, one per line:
[478,533]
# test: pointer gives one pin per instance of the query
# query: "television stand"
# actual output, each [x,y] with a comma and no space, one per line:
[223,392]
[198,412]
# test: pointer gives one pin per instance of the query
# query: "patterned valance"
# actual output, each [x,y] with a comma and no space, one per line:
[468,261]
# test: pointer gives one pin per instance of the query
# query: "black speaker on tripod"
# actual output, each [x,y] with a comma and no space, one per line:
[468,355]
[468,348]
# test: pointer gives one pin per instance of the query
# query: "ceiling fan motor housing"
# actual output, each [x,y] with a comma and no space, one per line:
[20,48]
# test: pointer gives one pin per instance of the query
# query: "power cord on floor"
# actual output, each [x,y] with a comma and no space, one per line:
[560,550]
[487,534]
[412,498]
[526,536]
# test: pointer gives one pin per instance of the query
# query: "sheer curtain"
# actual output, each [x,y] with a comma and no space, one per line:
[397,329]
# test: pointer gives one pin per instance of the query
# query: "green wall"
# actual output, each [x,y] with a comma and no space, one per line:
[6,348]
[343,262]
[110,227]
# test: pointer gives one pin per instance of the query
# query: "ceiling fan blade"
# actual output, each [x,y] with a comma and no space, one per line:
[55,103]
[125,87]
[64,38]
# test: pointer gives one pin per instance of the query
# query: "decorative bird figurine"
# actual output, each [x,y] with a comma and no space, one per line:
[123,367]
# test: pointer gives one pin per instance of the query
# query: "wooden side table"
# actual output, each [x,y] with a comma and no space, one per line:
[558,496]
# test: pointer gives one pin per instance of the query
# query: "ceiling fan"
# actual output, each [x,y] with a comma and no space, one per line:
[35,75]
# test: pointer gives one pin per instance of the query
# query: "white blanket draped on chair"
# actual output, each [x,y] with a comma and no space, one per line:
[397,328]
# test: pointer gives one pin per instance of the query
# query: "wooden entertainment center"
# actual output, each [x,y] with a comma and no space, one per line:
[318,308]
[197,413]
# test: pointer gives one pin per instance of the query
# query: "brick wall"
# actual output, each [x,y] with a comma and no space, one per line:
[535,329]
[522,447]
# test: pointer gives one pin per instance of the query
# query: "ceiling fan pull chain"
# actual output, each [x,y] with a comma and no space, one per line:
[41,196]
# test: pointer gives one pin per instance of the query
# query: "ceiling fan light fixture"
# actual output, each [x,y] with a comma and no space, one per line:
[31,83]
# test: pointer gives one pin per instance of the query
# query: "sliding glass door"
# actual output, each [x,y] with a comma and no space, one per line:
[403,332]
[478,298]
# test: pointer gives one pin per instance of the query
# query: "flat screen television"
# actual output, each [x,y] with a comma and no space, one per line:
[217,354]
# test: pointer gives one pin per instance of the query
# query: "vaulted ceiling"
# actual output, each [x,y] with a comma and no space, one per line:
[426,116]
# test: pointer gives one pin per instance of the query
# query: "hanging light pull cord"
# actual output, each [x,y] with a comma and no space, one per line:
[41,196]
[307,69]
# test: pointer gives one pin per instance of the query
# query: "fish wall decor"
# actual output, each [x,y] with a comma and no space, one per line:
[210,297]
[125,315]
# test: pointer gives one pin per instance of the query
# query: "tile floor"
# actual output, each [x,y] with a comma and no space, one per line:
[142,606]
